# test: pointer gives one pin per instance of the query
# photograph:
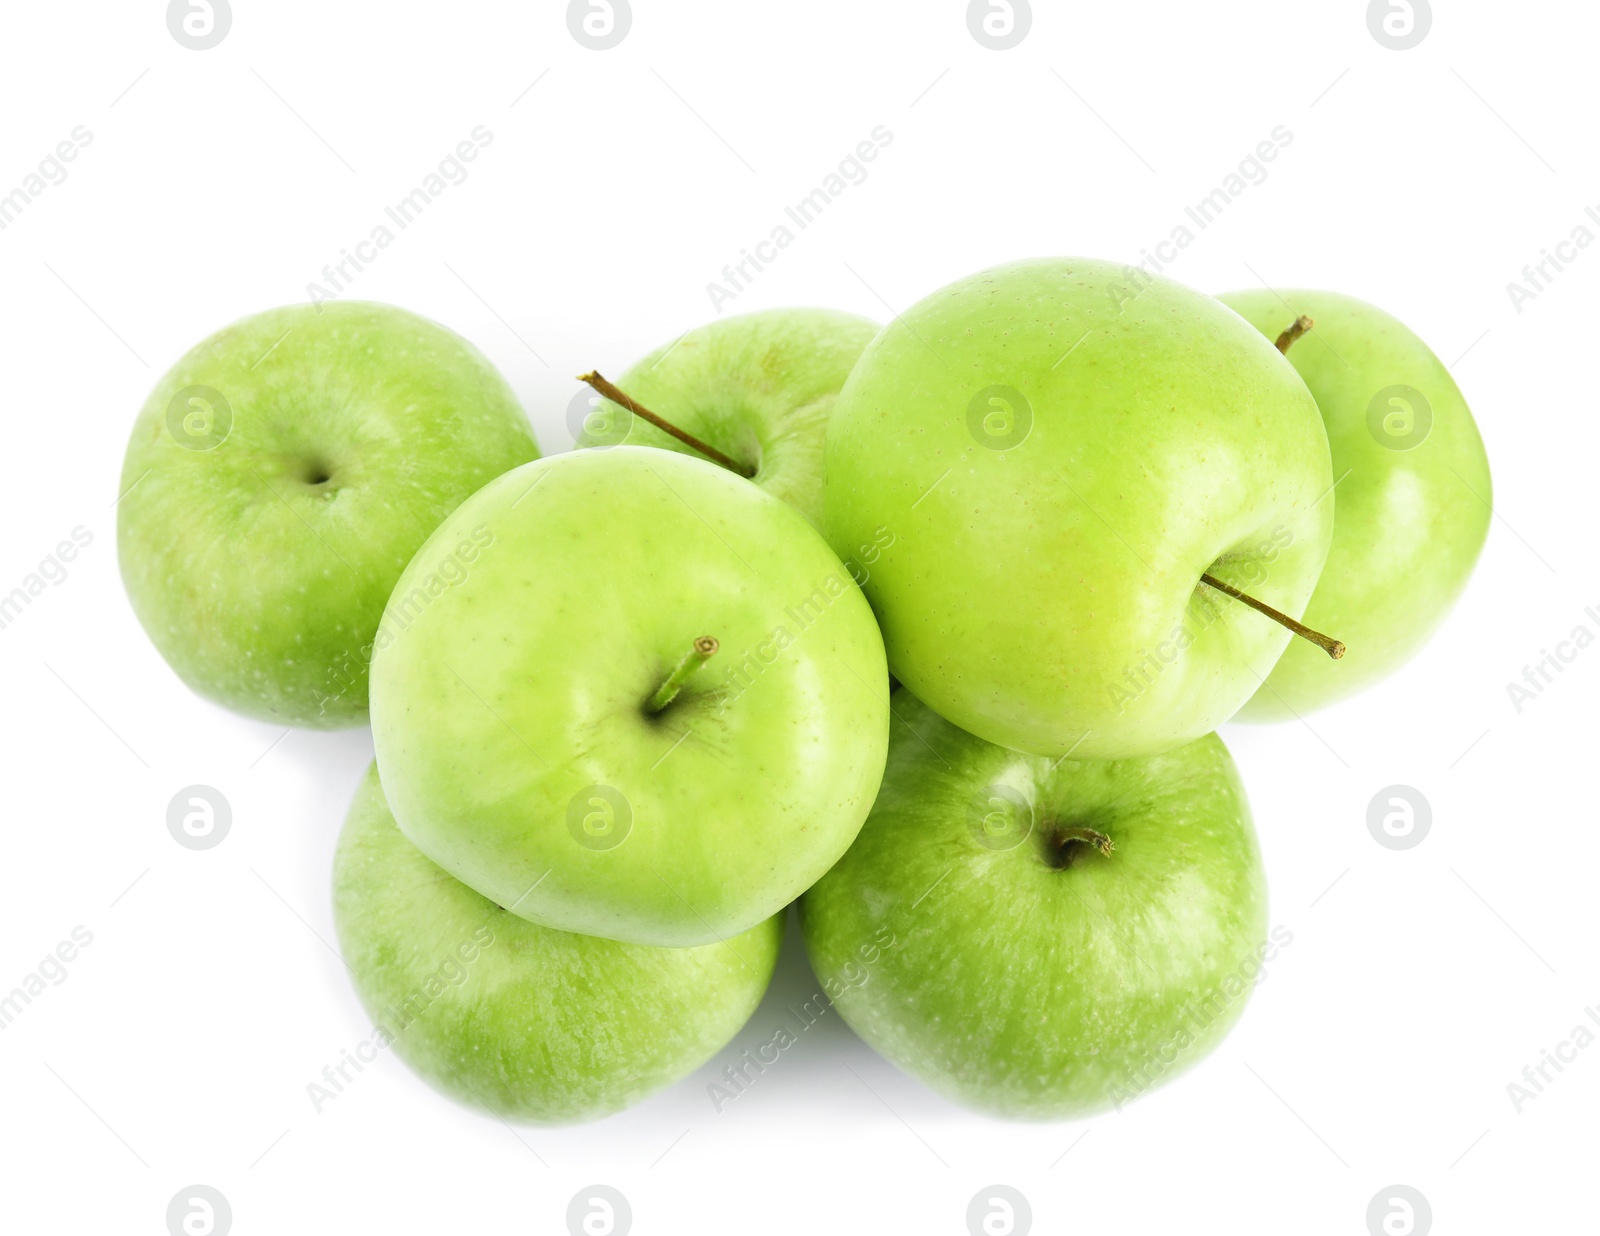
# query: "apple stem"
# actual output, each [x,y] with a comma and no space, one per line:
[1333,647]
[1292,332]
[617,396]
[699,653]
[1089,836]
[1064,841]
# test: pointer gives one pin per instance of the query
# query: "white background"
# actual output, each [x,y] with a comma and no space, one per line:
[617,185]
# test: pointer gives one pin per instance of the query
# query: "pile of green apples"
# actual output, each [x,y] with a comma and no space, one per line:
[631,702]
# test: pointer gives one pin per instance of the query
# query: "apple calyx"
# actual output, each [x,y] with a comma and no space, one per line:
[594,379]
[1292,332]
[1066,843]
[1333,647]
[702,650]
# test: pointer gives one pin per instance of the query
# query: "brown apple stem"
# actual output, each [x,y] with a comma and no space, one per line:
[1334,648]
[699,653]
[617,396]
[1292,332]
[1065,845]
[1088,836]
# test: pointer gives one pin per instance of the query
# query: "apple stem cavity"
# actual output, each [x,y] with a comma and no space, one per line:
[1333,647]
[699,653]
[618,396]
[1292,332]
[1066,841]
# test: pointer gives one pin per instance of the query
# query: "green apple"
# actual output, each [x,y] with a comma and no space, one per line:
[1413,489]
[1037,938]
[532,1024]
[654,706]
[757,387]
[279,479]
[1042,460]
